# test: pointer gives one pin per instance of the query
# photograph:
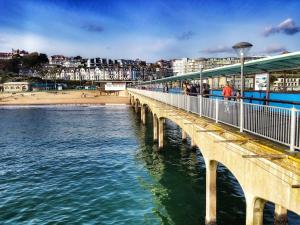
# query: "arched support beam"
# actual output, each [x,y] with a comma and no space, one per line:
[280,215]
[211,194]
[254,210]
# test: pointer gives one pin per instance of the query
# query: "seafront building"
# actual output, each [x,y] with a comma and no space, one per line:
[187,65]
[16,86]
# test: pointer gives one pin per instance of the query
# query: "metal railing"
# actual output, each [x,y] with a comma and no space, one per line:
[279,124]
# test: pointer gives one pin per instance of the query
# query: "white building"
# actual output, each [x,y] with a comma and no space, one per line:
[16,86]
[288,83]
[186,65]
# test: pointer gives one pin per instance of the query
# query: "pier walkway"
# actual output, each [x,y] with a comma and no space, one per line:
[263,157]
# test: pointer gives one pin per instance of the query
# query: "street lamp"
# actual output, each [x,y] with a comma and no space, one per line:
[242,49]
[200,90]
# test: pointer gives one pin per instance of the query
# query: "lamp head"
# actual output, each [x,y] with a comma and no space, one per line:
[242,48]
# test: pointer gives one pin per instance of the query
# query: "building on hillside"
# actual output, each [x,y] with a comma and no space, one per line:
[289,84]
[163,68]
[5,55]
[16,86]
[18,52]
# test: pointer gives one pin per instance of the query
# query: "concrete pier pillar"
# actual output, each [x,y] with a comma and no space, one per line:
[143,114]
[280,215]
[183,135]
[211,195]
[254,211]
[136,107]
[155,128]
[161,133]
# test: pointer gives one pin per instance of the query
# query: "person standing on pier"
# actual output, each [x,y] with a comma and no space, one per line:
[227,92]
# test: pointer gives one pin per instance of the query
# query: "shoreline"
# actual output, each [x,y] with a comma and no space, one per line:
[83,97]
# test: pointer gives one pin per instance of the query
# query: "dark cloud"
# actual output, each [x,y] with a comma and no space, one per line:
[287,27]
[218,49]
[186,35]
[92,28]
[272,49]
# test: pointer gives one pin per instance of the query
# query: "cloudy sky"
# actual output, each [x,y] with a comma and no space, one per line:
[149,30]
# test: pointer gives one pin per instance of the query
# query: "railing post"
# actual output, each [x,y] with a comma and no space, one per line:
[241,115]
[217,110]
[293,129]
[200,105]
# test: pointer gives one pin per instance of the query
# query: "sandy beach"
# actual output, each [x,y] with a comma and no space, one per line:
[62,97]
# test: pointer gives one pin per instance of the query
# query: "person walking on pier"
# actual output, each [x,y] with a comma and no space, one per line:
[227,93]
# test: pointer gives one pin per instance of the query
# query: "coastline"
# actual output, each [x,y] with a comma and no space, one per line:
[76,97]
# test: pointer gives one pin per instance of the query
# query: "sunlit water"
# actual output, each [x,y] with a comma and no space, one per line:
[99,165]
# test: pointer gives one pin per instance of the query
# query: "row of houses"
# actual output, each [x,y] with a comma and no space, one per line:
[99,74]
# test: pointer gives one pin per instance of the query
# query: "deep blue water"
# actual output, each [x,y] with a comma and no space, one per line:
[99,165]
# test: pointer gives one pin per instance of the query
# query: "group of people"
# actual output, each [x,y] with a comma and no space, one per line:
[194,89]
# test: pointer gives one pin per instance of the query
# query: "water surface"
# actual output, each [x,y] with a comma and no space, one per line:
[99,165]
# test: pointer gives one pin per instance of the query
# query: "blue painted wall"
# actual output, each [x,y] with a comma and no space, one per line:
[255,94]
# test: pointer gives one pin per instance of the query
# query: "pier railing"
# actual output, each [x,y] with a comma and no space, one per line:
[279,124]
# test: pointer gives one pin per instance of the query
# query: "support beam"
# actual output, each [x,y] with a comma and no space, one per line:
[161,133]
[280,215]
[155,128]
[136,107]
[211,195]
[183,135]
[254,211]
[143,114]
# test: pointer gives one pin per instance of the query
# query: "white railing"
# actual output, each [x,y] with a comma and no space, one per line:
[281,125]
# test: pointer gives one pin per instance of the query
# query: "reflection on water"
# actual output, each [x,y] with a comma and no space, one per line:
[179,172]
[99,165]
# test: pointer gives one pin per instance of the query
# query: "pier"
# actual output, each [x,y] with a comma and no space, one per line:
[265,170]
[259,144]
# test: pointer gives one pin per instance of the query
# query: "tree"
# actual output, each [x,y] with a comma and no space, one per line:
[34,60]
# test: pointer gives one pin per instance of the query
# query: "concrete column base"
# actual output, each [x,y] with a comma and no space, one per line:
[155,128]
[280,215]
[254,211]
[210,222]
[143,115]
[161,133]
[211,192]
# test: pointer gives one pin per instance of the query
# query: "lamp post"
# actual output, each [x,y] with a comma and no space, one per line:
[242,48]
[200,90]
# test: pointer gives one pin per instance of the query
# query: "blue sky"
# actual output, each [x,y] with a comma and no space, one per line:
[149,30]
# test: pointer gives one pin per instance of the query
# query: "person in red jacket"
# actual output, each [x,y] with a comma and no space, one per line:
[227,91]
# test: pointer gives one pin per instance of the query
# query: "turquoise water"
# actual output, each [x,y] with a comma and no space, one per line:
[98,165]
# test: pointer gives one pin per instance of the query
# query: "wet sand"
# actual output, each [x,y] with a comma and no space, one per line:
[62,97]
